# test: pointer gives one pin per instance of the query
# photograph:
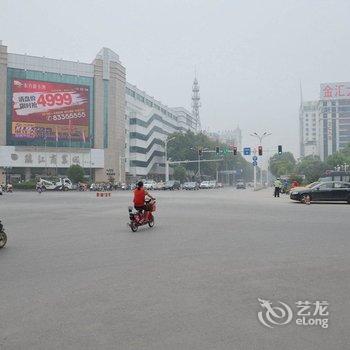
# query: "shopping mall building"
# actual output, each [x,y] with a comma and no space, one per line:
[324,124]
[55,113]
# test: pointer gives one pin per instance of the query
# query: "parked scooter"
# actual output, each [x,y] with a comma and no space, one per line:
[140,218]
[3,237]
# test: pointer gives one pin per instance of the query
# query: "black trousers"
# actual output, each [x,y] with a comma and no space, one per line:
[277,192]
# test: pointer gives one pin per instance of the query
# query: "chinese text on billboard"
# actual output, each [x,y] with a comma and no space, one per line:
[51,111]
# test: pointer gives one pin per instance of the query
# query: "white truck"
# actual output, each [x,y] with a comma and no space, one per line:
[60,184]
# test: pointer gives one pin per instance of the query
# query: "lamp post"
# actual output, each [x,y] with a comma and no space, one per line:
[166,157]
[260,137]
[91,137]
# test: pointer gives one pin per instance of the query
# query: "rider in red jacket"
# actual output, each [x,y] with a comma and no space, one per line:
[140,196]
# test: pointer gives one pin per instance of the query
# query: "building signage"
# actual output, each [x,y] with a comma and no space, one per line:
[52,111]
[335,91]
[11,156]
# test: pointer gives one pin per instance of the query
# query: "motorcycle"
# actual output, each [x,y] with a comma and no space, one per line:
[140,218]
[3,237]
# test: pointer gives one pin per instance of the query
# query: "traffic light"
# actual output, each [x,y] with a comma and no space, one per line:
[234,150]
[217,150]
[279,149]
[260,151]
[200,151]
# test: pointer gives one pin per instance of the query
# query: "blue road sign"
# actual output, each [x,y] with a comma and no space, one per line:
[255,163]
[255,158]
[246,151]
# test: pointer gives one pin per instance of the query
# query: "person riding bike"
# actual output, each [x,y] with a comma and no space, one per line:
[140,197]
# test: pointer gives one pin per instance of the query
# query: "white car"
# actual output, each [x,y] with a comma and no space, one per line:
[205,184]
[212,184]
[149,185]
[60,184]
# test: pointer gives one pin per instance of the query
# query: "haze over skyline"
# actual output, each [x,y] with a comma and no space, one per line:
[250,56]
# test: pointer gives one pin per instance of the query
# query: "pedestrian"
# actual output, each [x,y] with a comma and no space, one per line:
[278,186]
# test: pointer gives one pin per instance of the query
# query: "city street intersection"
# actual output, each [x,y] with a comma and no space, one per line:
[74,276]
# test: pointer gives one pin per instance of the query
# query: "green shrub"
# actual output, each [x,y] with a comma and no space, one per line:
[26,185]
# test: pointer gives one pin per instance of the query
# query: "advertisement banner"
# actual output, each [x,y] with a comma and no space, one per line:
[52,111]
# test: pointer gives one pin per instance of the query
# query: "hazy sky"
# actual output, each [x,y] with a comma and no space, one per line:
[250,55]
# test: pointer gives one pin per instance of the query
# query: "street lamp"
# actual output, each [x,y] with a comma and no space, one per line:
[166,157]
[260,137]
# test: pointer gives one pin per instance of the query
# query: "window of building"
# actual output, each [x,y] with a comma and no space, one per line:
[149,103]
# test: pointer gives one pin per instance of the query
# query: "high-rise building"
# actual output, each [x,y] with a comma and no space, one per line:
[229,137]
[324,124]
[334,118]
[308,128]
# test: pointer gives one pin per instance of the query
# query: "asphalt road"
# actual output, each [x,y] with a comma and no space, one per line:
[73,275]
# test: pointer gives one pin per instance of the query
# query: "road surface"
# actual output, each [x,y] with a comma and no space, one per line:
[73,275]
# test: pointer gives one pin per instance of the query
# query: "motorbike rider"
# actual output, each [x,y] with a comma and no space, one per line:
[140,196]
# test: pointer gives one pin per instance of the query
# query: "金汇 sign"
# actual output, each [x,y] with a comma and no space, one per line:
[335,91]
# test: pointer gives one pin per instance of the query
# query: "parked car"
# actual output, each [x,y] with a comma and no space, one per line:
[219,185]
[190,186]
[160,185]
[205,184]
[212,184]
[240,185]
[59,184]
[324,191]
[149,184]
[172,185]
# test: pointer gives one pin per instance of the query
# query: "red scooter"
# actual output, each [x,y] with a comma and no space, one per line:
[142,217]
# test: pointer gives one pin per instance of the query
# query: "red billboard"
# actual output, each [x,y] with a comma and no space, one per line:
[52,111]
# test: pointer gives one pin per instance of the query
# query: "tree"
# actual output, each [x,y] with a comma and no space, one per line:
[282,164]
[76,173]
[339,158]
[312,167]
[336,159]
[185,146]
[180,173]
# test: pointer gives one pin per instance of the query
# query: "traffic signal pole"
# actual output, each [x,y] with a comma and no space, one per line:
[254,176]
[260,137]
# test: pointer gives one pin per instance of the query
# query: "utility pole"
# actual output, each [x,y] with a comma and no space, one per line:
[166,157]
[91,139]
[254,176]
[199,165]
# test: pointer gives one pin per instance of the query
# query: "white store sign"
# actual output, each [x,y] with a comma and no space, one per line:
[11,156]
